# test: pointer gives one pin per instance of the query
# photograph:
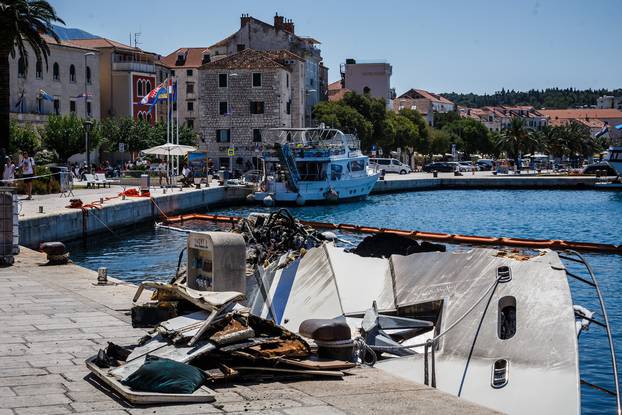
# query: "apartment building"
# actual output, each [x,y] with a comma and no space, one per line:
[372,78]
[500,117]
[609,102]
[184,64]
[258,35]
[594,118]
[71,70]
[427,103]
[126,75]
[243,95]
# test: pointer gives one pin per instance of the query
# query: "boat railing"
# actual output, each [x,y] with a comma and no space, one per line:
[574,256]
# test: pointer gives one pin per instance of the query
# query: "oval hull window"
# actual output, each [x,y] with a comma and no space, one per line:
[506,325]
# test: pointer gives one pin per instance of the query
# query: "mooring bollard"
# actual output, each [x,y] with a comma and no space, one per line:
[40,209]
[102,276]
[101,200]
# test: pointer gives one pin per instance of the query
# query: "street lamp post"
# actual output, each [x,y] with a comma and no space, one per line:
[308,92]
[87,123]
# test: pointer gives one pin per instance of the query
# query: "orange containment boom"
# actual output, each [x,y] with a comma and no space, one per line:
[430,236]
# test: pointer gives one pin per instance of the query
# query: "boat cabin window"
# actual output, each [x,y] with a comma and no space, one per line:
[310,171]
[357,165]
[336,170]
[500,373]
[506,327]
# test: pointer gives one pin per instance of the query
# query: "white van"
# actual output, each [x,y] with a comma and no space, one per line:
[390,165]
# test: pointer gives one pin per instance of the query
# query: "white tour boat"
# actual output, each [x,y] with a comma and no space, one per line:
[314,165]
[614,158]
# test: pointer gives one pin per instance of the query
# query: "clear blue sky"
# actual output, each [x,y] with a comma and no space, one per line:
[439,45]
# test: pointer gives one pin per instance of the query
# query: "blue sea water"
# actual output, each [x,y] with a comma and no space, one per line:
[145,252]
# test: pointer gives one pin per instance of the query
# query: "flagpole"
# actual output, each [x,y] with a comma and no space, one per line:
[176,121]
[168,111]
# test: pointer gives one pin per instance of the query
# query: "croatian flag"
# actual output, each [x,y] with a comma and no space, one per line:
[153,95]
[603,131]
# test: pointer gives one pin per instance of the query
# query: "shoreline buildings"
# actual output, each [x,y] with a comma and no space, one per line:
[242,96]
[38,91]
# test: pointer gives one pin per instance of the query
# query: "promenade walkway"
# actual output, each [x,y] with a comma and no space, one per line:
[53,317]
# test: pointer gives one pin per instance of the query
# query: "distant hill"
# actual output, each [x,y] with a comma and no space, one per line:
[69,33]
[546,98]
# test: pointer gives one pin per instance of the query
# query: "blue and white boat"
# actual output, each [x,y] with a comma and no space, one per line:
[314,165]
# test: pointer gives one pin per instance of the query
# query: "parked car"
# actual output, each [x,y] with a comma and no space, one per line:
[467,166]
[602,166]
[441,166]
[485,164]
[390,165]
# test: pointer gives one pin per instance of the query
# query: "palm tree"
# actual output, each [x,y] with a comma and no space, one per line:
[516,139]
[22,22]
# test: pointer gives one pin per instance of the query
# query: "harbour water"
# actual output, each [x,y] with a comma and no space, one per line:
[148,253]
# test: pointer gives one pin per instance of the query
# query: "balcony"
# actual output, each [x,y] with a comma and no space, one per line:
[133,66]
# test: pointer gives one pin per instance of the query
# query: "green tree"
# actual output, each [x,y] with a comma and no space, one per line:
[22,23]
[516,139]
[441,119]
[24,138]
[440,142]
[349,120]
[471,136]
[66,135]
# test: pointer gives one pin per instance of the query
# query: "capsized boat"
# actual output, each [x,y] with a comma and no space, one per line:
[311,165]
[496,327]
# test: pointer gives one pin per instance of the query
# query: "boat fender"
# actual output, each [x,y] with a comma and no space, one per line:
[300,200]
[268,201]
[329,236]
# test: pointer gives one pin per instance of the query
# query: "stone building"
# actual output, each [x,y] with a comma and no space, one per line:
[372,78]
[65,80]
[184,64]
[241,97]
[258,35]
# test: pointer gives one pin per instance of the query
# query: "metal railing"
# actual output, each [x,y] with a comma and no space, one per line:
[578,258]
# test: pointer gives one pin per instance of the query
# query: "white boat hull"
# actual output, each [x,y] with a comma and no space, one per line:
[315,192]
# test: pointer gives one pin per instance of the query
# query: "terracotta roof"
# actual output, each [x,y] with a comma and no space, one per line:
[592,123]
[582,113]
[283,55]
[246,59]
[194,58]
[411,93]
[100,43]
[337,94]
[335,86]
[67,43]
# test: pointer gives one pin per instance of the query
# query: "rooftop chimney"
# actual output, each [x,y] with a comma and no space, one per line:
[244,19]
[281,23]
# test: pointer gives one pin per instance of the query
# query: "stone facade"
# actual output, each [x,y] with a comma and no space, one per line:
[258,35]
[245,109]
[63,79]
[184,64]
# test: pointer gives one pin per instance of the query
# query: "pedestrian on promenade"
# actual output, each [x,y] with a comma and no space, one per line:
[27,166]
[8,173]
[162,172]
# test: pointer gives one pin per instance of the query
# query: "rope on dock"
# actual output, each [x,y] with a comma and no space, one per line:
[556,244]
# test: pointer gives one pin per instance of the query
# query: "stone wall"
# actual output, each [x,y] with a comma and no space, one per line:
[278,86]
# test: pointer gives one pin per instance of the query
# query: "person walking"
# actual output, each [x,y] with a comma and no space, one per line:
[8,173]
[27,166]
[162,172]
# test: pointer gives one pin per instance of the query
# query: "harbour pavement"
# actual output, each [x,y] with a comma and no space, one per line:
[54,317]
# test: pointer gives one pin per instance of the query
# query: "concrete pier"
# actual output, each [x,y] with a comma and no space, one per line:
[480,180]
[54,317]
[58,223]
